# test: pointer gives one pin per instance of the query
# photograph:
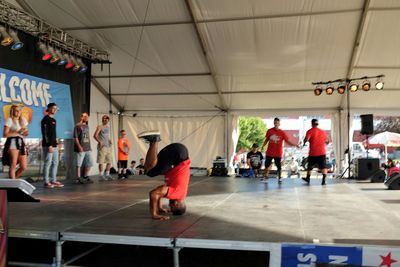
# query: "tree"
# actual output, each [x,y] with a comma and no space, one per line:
[252,130]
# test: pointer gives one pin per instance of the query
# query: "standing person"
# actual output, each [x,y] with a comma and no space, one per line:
[317,154]
[50,149]
[140,167]
[82,149]
[173,162]
[124,146]
[254,159]
[102,136]
[274,138]
[15,130]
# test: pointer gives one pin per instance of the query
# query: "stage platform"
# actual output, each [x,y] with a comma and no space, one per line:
[222,213]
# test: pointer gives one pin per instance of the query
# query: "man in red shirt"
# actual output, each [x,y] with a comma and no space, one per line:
[317,154]
[174,163]
[274,137]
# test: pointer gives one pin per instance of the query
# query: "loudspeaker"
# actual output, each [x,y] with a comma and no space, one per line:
[365,168]
[378,177]
[393,182]
[367,124]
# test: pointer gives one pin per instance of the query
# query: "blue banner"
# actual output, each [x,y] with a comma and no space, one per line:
[33,94]
[309,255]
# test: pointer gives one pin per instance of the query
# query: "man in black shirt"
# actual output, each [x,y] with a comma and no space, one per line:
[254,159]
[50,149]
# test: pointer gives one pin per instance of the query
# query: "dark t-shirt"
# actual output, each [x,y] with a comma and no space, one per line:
[81,131]
[49,134]
[255,159]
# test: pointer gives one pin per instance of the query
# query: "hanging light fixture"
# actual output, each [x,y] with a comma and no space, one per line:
[17,42]
[366,85]
[7,39]
[353,87]
[63,59]
[83,66]
[329,89]
[70,64]
[341,88]
[77,66]
[318,90]
[54,56]
[45,51]
[379,84]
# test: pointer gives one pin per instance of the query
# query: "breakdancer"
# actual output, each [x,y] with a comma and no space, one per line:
[173,162]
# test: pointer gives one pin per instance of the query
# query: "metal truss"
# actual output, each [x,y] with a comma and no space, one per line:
[18,19]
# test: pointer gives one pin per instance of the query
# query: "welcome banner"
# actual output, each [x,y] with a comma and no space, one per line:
[33,94]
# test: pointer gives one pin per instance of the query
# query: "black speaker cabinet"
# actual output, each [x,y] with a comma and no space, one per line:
[378,177]
[393,182]
[367,124]
[365,168]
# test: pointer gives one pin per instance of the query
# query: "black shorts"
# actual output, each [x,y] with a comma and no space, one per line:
[319,161]
[268,162]
[168,157]
[122,164]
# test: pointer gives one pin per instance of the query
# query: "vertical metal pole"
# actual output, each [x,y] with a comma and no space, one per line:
[348,127]
[58,253]
[175,252]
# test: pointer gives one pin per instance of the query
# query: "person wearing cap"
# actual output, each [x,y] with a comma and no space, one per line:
[102,136]
[317,153]
[50,149]
[275,138]
[254,159]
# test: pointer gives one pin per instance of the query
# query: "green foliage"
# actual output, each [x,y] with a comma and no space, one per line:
[252,130]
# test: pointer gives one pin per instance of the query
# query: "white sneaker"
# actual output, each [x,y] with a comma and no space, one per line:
[109,177]
[150,136]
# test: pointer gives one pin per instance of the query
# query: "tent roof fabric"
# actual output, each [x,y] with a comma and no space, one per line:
[236,55]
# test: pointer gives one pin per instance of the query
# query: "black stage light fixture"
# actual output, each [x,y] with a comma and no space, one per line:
[379,84]
[329,89]
[54,56]
[45,51]
[63,59]
[7,39]
[318,91]
[341,88]
[76,67]
[17,42]
[83,68]
[366,85]
[353,87]
[70,64]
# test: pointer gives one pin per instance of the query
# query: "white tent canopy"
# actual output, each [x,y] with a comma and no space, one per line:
[254,57]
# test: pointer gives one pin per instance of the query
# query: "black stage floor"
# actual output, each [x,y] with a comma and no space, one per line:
[220,211]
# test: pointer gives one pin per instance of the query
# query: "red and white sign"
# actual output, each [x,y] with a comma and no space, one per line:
[381,257]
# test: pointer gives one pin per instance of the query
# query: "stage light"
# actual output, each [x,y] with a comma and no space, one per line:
[7,40]
[83,66]
[366,85]
[54,57]
[379,84]
[70,64]
[318,91]
[17,42]
[45,51]
[341,88]
[76,67]
[63,59]
[353,87]
[329,89]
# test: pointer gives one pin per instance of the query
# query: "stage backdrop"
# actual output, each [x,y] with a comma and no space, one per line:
[33,94]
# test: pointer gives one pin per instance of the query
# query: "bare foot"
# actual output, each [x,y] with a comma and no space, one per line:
[160,217]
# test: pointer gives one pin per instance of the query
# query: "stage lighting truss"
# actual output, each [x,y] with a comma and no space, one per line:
[351,85]
[14,18]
